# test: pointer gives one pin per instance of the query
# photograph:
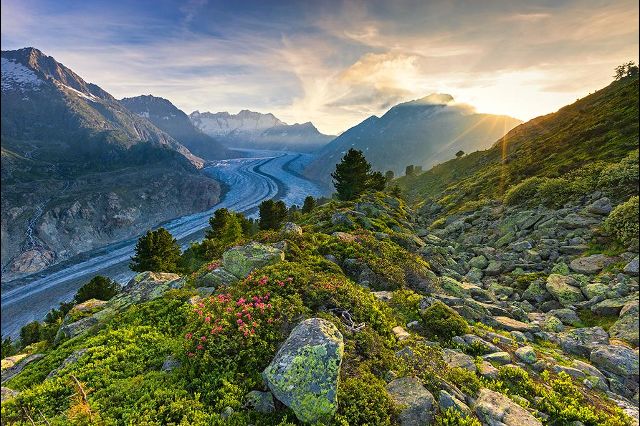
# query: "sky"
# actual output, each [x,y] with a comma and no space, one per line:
[334,63]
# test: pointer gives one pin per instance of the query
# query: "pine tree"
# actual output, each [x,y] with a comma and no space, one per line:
[352,175]
[101,288]
[377,181]
[225,227]
[156,251]
[272,214]
[309,204]
[389,175]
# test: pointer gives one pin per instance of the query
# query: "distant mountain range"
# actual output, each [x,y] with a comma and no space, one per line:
[249,129]
[423,132]
[79,169]
[167,117]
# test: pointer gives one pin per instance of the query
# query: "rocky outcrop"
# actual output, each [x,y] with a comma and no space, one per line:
[494,408]
[303,375]
[417,405]
[17,367]
[240,261]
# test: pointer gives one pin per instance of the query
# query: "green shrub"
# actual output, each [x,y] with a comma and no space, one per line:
[364,401]
[443,323]
[101,288]
[555,192]
[467,381]
[622,222]
[453,417]
[405,304]
[523,192]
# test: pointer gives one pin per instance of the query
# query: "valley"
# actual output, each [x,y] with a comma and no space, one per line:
[259,176]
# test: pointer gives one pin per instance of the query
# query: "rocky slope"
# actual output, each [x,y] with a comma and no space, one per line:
[164,115]
[79,170]
[254,130]
[423,132]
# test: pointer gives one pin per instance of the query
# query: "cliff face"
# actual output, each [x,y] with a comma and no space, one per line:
[79,170]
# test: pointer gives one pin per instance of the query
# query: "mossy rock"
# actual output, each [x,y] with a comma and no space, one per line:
[304,373]
[240,261]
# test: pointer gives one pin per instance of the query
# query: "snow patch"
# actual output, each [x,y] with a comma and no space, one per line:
[17,76]
[90,96]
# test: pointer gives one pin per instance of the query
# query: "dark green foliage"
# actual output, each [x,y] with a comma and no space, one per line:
[628,69]
[410,170]
[622,223]
[453,417]
[8,348]
[309,204]
[31,333]
[364,401]
[272,214]
[224,226]
[156,251]
[101,288]
[389,175]
[353,176]
[442,322]
[249,226]
[459,154]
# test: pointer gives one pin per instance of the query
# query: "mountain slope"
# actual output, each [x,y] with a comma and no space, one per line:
[422,132]
[164,115]
[601,127]
[249,129]
[79,169]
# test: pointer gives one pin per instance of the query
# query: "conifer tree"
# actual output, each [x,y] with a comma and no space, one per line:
[272,214]
[156,251]
[225,227]
[309,204]
[352,174]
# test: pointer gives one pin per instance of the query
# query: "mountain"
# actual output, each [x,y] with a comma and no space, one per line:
[598,129]
[249,129]
[167,117]
[423,132]
[80,170]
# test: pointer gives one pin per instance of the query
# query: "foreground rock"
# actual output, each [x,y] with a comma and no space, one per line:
[303,375]
[417,404]
[496,409]
[240,261]
[13,370]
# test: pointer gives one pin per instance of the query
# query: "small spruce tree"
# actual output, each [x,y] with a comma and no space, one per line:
[156,251]
[101,288]
[272,214]
[309,204]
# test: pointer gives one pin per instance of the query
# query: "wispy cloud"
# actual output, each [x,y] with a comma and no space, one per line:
[334,62]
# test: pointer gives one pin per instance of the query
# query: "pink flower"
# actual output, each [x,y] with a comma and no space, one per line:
[207,319]
[190,354]
[203,338]
[199,347]
[188,336]
[239,322]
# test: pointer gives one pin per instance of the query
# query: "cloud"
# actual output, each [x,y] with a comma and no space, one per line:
[334,62]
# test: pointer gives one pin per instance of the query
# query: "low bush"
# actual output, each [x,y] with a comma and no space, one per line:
[622,222]
[443,323]
[364,401]
[523,192]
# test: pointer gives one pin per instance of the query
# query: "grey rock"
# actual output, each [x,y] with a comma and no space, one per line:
[496,409]
[626,327]
[581,341]
[447,401]
[526,354]
[262,402]
[291,228]
[455,359]
[591,264]
[240,261]
[418,405]
[71,359]
[618,360]
[565,289]
[601,207]
[16,368]
[7,394]
[632,267]
[501,358]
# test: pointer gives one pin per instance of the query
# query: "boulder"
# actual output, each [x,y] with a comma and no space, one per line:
[500,358]
[509,324]
[600,207]
[580,341]
[241,261]
[417,404]
[71,359]
[400,333]
[7,394]
[610,307]
[262,402]
[74,329]
[303,375]
[291,228]
[447,401]
[494,408]
[455,359]
[567,316]
[526,354]
[487,370]
[13,370]
[565,289]
[591,264]
[615,359]
[632,267]
[141,288]
[626,327]
[478,262]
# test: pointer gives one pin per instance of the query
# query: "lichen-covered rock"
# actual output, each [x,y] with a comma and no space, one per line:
[84,309]
[7,394]
[217,277]
[591,264]
[501,358]
[303,375]
[13,370]
[417,404]
[626,327]
[447,401]
[565,289]
[71,359]
[580,341]
[615,359]
[631,268]
[240,261]
[526,354]
[510,324]
[142,288]
[291,228]
[496,409]
[74,329]
[262,402]
[455,359]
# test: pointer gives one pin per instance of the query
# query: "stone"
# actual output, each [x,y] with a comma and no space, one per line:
[447,401]
[170,363]
[141,288]
[487,370]
[7,394]
[552,324]
[590,265]
[610,307]
[580,341]
[565,289]
[71,359]
[600,207]
[500,358]
[521,246]
[291,228]
[241,261]
[417,404]
[455,359]
[567,316]
[74,329]
[494,268]
[615,359]
[626,327]
[536,292]
[632,267]
[262,402]
[303,375]
[478,262]
[384,296]
[526,354]
[571,371]
[479,343]
[400,333]
[341,219]
[592,290]
[575,221]
[496,409]
[509,324]
[13,370]
[218,277]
